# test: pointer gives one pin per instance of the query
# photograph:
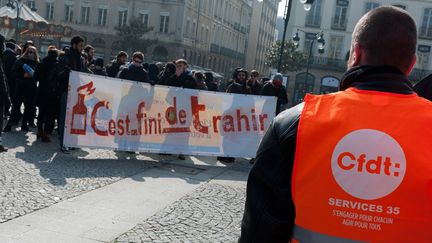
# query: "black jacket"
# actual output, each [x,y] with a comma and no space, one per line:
[238,88]
[113,69]
[72,60]
[9,59]
[133,73]
[18,72]
[45,74]
[282,97]
[186,80]
[269,210]
[256,88]
[4,92]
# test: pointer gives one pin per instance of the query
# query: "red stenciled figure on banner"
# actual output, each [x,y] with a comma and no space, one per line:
[79,111]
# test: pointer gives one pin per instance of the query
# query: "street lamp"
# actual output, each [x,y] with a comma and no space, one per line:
[307,5]
[319,37]
[18,5]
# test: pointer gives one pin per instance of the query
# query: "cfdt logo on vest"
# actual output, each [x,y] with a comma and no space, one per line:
[368,164]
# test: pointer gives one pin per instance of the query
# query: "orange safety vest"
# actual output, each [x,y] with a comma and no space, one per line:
[363,168]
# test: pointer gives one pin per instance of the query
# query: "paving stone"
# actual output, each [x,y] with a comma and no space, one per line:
[211,213]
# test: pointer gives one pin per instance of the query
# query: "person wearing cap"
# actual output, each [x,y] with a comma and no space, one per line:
[4,94]
[276,89]
[355,165]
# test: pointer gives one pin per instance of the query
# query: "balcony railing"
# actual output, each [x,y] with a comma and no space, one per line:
[216,49]
[339,23]
[313,21]
[425,32]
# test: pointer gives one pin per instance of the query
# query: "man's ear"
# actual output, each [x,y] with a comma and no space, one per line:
[413,62]
[356,56]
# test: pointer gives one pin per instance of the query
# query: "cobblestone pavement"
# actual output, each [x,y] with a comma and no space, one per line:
[211,213]
[34,175]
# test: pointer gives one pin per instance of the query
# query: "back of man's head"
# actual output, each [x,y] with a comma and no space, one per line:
[388,36]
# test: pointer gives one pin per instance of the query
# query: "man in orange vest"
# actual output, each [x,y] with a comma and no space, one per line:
[354,166]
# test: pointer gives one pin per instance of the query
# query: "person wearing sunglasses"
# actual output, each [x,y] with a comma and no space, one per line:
[26,86]
[135,70]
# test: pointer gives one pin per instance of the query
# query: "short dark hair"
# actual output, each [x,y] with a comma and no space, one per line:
[389,36]
[122,54]
[10,45]
[139,55]
[87,48]
[76,40]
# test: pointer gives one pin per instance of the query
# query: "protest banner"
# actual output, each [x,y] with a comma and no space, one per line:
[130,116]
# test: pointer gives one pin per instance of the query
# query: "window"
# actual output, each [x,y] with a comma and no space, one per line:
[335,47]
[85,14]
[313,17]
[188,27]
[144,17]
[340,17]
[370,5]
[423,53]
[164,22]
[49,11]
[31,4]
[426,27]
[309,37]
[69,13]
[122,18]
[102,16]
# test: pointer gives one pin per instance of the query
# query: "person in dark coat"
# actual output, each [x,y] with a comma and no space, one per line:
[89,51]
[113,68]
[26,87]
[167,72]
[135,70]
[275,88]
[424,87]
[71,60]
[210,82]
[153,72]
[98,67]
[9,59]
[200,81]
[182,77]
[5,100]
[47,97]
[239,84]
[254,84]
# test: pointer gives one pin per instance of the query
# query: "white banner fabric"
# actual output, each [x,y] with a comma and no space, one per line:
[130,116]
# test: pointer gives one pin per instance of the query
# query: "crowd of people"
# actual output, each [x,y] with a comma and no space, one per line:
[41,85]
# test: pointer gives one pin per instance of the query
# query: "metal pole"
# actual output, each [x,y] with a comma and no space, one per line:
[308,61]
[287,16]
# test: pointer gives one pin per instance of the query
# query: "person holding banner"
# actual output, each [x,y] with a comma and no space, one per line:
[135,70]
[353,166]
[71,60]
